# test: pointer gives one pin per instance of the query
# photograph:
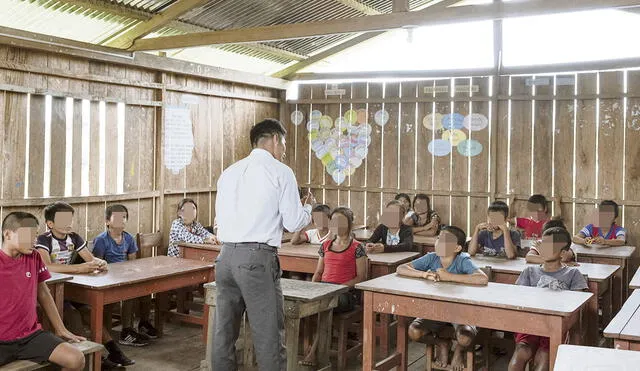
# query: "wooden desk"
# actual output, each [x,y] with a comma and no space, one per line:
[598,275]
[56,286]
[426,244]
[529,310]
[614,255]
[624,329]
[363,234]
[301,299]
[578,358]
[635,281]
[136,278]
[286,236]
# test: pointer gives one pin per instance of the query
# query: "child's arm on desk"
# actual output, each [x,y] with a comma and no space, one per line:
[473,244]
[299,238]
[476,278]
[510,246]
[408,270]
[317,276]
[579,239]
[533,257]
[87,267]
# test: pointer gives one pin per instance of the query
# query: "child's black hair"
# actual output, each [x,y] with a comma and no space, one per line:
[403,196]
[400,206]
[59,206]
[322,208]
[538,200]
[562,233]
[14,220]
[499,207]
[117,208]
[347,213]
[458,232]
[422,196]
[553,223]
[612,204]
[186,201]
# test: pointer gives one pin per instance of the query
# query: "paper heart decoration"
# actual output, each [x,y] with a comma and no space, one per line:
[340,145]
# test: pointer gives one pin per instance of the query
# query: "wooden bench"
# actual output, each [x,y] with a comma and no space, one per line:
[88,348]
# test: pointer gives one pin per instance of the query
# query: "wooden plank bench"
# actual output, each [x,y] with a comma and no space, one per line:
[88,348]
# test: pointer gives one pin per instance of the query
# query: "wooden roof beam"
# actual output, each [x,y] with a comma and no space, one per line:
[361,7]
[126,39]
[382,22]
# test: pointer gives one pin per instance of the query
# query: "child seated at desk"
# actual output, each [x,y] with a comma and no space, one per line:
[537,214]
[319,231]
[391,234]
[343,261]
[59,248]
[187,229]
[21,335]
[424,220]
[115,246]
[494,237]
[604,220]
[568,257]
[551,274]
[447,264]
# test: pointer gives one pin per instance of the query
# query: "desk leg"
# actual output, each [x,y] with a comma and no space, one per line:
[161,307]
[292,332]
[369,336]
[592,315]
[97,311]
[402,342]
[606,304]
[385,322]
[618,287]
[211,330]
[554,340]
[324,339]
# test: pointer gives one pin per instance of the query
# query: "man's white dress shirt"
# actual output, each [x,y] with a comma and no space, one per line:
[257,197]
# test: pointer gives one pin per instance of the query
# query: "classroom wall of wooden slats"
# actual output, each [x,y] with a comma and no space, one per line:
[221,123]
[575,139]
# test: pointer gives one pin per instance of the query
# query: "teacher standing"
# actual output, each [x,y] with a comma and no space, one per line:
[257,197]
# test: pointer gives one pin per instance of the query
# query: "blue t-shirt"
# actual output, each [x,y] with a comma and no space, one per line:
[462,264]
[495,247]
[104,247]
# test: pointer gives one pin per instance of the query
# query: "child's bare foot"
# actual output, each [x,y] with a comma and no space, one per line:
[442,353]
[457,362]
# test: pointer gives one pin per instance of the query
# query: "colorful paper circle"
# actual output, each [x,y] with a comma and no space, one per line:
[439,147]
[454,136]
[453,121]
[381,117]
[476,122]
[470,147]
[351,116]
[341,124]
[361,151]
[432,121]
[338,176]
[313,125]
[315,115]
[326,122]
[361,116]
[297,117]
[355,161]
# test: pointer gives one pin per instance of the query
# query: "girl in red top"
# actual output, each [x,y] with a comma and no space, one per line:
[342,261]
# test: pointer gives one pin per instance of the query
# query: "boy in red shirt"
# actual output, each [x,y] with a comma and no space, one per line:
[23,275]
[537,215]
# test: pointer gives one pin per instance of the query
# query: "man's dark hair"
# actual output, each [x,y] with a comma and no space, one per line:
[322,208]
[458,232]
[538,200]
[266,129]
[500,207]
[15,220]
[347,213]
[117,208]
[403,196]
[612,204]
[56,207]
[564,235]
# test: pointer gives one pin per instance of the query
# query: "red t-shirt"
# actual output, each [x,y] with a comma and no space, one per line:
[340,267]
[532,229]
[19,279]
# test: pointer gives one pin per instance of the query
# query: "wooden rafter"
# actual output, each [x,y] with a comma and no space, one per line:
[380,22]
[361,7]
[126,39]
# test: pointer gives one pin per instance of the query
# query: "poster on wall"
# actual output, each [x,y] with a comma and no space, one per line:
[178,138]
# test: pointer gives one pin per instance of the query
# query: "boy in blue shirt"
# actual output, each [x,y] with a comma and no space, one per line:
[116,246]
[494,238]
[447,264]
